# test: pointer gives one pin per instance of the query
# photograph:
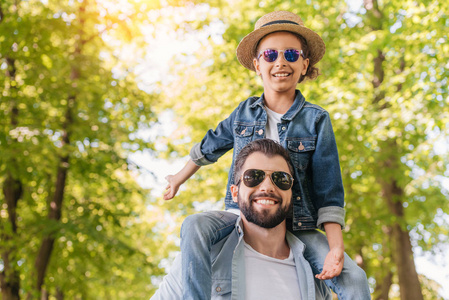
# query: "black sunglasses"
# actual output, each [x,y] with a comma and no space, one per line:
[253,177]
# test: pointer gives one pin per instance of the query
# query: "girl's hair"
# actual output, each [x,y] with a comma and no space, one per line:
[312,71]
[267,147]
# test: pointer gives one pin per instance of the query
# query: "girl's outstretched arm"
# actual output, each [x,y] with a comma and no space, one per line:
[175,181]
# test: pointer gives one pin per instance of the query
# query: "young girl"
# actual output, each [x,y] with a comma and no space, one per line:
[283,52]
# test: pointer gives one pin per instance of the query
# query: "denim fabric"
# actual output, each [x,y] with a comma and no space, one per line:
[351,284]
[198,233]
[306,131]
[228,271]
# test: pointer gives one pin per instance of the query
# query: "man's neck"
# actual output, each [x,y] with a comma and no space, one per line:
[279,102]
[270,242]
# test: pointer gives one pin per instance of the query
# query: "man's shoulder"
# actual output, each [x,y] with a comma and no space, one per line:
[229,242]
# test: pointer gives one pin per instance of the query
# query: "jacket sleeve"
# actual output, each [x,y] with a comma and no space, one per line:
[171,286]
[215,143]
[326,175]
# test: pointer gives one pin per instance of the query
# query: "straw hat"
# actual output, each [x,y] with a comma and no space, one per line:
[279,21]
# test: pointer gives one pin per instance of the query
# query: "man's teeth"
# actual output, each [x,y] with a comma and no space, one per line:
[265,201]
[281,75]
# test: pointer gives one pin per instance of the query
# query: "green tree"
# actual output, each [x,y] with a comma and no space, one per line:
[384,82]
[73,221]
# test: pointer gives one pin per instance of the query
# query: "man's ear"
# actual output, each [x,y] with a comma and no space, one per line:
[234,192]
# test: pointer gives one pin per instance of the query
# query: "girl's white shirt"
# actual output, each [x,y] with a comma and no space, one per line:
[273,120]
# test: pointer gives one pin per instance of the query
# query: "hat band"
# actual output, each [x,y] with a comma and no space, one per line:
[280,22]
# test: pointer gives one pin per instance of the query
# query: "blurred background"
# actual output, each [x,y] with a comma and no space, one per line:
[101,99]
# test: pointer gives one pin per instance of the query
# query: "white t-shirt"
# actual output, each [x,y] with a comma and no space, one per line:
[268,278]
[272,124]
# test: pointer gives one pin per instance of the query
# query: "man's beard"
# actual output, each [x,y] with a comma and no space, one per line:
[262,218]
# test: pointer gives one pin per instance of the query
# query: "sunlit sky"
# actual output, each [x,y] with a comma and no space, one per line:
[166,43]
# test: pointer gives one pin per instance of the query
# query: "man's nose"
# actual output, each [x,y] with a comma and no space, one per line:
[267,185]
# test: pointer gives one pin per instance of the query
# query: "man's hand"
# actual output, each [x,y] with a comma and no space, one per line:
[172,188]
[333,264]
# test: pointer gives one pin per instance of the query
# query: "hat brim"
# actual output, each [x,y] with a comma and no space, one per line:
[247,47]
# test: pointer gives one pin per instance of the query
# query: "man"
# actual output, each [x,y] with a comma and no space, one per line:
[260,259]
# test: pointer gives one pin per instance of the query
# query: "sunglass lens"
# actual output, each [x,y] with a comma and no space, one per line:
[282,179]
[291,55]
[253,177]
[270,55]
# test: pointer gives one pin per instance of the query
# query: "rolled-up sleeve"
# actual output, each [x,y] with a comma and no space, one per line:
[334,214]
[198,157]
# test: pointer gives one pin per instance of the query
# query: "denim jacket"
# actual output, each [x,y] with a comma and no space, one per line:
[228,271]
[306,132]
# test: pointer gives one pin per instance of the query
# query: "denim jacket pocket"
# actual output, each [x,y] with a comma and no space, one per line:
[221,288]
[301,150]
[243,135]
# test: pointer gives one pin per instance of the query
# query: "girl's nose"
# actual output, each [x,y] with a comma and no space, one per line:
[280,61]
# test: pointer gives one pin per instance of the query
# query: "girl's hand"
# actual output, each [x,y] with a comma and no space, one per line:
[172,188]
[175,181]
[333,264]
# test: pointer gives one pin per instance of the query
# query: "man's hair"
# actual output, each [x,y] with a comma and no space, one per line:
[267,147]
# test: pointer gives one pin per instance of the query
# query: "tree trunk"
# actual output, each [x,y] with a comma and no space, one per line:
[10,277]
[402,248]
[59,294]
[384,278]
[408,277]
[43,257]
[383,287]
[402,253]
[55,205]
[12,191]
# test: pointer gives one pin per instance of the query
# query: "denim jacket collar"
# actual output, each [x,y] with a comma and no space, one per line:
[294,109]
